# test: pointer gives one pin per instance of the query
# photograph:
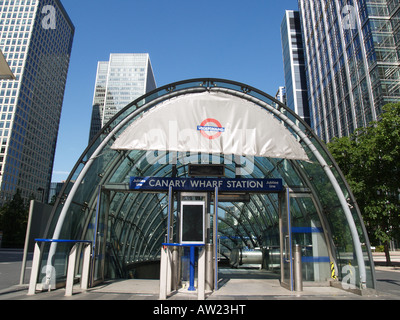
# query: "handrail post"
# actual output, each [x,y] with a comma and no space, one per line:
[71,271]
[166,269]
[298,276]
[35,270]
[201,278]
[169,270]
[163,273]
[86,266]
[174,268]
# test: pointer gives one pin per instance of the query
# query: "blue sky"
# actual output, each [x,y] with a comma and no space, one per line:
[229,39]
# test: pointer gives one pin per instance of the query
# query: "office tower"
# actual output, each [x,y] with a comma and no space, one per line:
[119,81]
[294,65]
[98,98]
[95,122]
[352,62]
[36,39]
[54,191]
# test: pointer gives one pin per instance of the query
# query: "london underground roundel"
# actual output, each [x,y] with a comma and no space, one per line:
[209,126]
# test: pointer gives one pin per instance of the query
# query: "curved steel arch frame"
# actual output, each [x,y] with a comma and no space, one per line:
[98,165]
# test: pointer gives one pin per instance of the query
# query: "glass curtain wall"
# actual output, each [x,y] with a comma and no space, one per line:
[352,62]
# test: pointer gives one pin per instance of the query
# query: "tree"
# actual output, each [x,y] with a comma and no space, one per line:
[13,222]
[370,160]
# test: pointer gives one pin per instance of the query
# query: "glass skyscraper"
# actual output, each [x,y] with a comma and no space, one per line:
[294,65]
[36,38]
[352,62]
[119,81]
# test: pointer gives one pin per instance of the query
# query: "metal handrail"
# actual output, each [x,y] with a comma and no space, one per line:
[63,240]
[71,264]
[183,244]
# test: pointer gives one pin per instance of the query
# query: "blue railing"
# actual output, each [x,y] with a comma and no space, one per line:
[61,240]
[183,244]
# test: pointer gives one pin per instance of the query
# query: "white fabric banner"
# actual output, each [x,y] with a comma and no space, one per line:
[209,122]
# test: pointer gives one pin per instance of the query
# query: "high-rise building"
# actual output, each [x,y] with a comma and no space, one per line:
[36,38]
[294,65]
[54,191]
[352,62]
[119,81]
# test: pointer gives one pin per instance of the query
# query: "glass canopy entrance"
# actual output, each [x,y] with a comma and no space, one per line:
[246,236]
[211,122]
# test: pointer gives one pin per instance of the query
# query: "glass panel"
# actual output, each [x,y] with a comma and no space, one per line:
[307,231]
[286,243]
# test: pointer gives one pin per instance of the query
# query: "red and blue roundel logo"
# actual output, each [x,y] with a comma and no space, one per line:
[211,125]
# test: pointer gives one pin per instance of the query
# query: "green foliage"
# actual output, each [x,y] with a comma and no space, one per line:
[370,160]
[13,222]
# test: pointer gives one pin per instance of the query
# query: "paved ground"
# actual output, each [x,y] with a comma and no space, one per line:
[231,288]
[10,267]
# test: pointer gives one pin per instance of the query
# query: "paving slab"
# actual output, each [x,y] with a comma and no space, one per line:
[133,286]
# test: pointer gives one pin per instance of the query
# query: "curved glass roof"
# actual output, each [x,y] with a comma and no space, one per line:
[96,203]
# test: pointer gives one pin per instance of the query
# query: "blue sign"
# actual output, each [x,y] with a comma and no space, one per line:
[205,184]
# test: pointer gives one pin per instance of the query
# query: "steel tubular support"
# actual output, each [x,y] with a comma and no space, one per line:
[175,268]
[298,270]
[215,240]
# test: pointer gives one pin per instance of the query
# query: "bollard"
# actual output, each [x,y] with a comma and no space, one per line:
[163,273]
[201,283]
[175,268]
[298,272]
[209,248]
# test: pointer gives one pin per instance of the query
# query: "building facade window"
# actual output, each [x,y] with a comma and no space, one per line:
[363,59]
[31,104]
[119,81]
